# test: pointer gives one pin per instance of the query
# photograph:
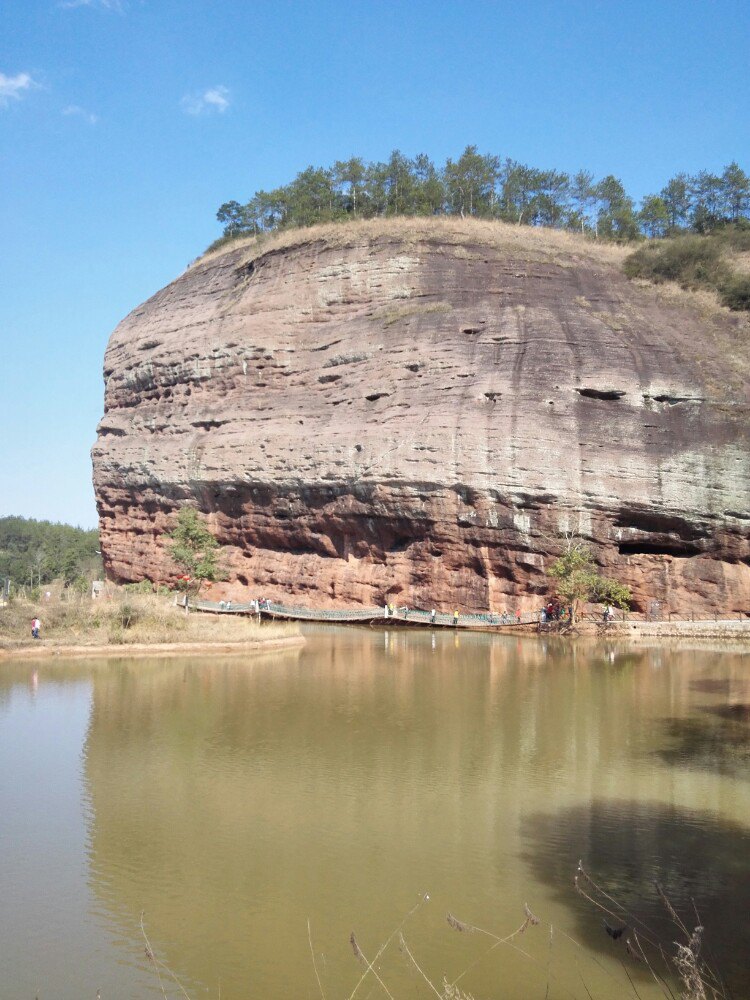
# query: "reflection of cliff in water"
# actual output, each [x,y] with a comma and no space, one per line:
[164,771]
[231,801]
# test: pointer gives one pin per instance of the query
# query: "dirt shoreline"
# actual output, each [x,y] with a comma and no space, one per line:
[47,648]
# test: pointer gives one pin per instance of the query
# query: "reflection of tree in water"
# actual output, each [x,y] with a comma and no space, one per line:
[711,685]
[735,712]
[627,846]
[718,740]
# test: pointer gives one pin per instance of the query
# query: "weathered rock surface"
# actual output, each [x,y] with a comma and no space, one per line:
[415,411]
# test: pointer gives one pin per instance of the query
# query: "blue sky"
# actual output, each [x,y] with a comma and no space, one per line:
[124,124]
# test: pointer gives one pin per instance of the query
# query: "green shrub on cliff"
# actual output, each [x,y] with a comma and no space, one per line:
[695,262]
[691,261]
[735,292]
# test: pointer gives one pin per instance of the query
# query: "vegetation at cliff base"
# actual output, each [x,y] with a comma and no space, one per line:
[34,553]
[578,580]
[194,550]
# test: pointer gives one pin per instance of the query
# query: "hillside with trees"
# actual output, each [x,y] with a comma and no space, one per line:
[34,553]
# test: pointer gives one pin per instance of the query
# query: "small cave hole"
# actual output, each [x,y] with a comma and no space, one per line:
[590,393]
[664,397]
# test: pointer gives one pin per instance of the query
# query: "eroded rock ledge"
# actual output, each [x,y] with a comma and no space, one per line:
[414,411]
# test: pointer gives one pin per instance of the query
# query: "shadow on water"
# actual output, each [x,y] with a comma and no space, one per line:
[717,741]
[628,846]
[737,712]
[724,686]
[711,685]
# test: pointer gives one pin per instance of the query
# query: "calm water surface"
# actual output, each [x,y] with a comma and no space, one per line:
[233,800]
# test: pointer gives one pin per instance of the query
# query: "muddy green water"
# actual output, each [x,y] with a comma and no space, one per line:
[233,800]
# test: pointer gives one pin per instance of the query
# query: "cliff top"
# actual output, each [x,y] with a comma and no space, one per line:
[533,243]
[539,243]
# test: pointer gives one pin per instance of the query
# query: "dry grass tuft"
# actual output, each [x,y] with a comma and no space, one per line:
[688,965]
[453,992]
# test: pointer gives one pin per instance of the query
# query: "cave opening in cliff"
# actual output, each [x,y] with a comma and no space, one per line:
[678,549]
[401,543]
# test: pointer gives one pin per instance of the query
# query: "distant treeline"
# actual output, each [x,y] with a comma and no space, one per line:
[33,553]
[487,187]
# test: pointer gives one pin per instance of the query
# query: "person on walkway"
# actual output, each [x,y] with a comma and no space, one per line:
[518,616]
[455,618]
[385,609]
[432,617]
[35,626]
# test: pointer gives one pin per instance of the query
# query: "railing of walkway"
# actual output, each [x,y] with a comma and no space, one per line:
[415,616]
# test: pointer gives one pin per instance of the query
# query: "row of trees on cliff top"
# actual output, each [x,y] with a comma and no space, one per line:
[485,186]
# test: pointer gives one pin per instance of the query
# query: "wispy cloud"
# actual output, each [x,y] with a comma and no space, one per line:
[12,87]
[73,110]
[215,100]
[116,5]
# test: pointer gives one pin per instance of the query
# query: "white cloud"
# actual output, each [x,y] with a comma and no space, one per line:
[117,5]
[12,87]
[215,100]
[75,111]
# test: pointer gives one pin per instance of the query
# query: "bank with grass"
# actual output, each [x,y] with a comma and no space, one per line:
[141,624]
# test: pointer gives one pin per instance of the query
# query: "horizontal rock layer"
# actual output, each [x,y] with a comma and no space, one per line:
[416,411]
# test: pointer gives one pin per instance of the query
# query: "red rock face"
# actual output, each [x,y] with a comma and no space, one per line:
[415,412]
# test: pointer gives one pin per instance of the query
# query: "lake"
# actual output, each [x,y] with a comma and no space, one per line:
[258,809]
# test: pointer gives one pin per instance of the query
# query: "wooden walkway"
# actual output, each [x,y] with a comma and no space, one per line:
[367,616]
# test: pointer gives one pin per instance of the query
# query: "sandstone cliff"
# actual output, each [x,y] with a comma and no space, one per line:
[414,410]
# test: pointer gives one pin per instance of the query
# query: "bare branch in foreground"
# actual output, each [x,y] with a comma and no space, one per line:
[312,954]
